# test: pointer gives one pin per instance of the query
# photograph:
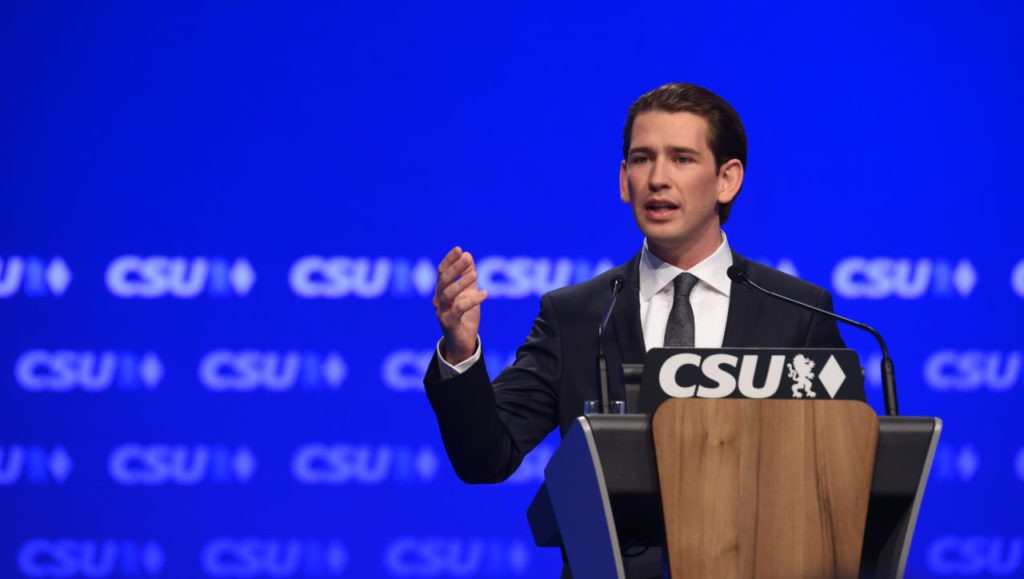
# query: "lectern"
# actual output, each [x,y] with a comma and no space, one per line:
[738,488]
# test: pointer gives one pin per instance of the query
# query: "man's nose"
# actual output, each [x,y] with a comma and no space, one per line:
[657,179]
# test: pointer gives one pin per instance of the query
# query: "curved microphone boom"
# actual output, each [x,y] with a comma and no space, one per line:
[602,364]
[888,373]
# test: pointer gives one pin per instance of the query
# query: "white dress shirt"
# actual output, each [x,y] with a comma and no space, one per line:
[709,299]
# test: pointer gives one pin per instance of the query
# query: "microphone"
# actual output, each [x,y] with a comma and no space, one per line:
[888,373]
[602,364]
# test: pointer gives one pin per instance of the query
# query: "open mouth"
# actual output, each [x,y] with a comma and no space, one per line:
[660,207]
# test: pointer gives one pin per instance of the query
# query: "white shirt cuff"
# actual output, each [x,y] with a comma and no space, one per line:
[449,371]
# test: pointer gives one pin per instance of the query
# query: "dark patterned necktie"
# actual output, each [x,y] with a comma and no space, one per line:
[679,331]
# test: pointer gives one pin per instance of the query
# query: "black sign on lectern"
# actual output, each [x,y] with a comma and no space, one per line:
[754,373]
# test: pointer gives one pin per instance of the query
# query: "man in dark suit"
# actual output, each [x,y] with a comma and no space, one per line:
[684,156]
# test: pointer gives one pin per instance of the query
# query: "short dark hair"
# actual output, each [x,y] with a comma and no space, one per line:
[726,137]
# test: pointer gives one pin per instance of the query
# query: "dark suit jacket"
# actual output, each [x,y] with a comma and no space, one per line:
[488,428]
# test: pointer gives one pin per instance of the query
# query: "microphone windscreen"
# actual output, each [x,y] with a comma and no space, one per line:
[736,274]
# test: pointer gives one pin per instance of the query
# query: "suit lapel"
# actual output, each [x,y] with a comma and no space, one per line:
[629,334]
[743,304]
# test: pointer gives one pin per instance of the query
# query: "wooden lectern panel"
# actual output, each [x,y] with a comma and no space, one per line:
[764,488]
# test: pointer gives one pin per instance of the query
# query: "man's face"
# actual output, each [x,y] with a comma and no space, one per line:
[670,180]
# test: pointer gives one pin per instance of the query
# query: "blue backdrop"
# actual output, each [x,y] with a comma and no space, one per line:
[219,226]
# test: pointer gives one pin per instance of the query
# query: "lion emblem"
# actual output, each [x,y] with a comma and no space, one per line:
[800,371]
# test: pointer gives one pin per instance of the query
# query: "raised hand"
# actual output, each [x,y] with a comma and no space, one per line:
[457,303]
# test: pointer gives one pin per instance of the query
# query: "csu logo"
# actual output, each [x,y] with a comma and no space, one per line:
[884,277]
[34,276]
[34,464]
[403,370]
[275,371]
[264,557]
[972,370]
[346,463]
[340,276]
[86,370]
[976,555]
[335,277]
[178,464]
[89,558]
[455,557]
[158,276]
[729,374]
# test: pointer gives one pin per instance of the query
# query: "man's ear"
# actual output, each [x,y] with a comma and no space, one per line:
[623,183]
[730,179]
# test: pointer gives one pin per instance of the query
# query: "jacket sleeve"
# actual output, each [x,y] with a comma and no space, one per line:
[488,428]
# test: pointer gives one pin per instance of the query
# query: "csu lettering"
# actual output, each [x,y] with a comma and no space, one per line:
[160,464]
[454,557]
[248,370]
[337,464]
[315,276]
[133,276]
[86,370]
[884,277]
[263,557]
[714,367]
[89,558]
[970,370]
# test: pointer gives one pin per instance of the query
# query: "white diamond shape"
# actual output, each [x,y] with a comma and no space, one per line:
[334,370]
[336,557]
[58,276]
[426,463]
[424,276]
[60,464]
[152,558]
[832,376]
[244,464]
[964,278]
[151,370]
[242,276]
[967,463]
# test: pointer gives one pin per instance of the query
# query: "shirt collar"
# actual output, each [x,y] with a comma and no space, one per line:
[655,274]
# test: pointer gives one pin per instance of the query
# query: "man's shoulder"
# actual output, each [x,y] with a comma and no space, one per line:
[775,280]
[599,285]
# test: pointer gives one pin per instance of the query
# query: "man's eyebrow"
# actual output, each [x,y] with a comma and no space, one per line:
[672,149]
[640,150]
[687,150]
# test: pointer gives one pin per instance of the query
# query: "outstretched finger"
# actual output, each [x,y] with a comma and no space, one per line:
[450,258]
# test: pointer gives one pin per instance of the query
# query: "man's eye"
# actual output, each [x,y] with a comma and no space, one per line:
[683,160]
[638,159]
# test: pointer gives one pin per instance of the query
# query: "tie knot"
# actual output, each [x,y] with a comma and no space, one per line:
[683,284]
